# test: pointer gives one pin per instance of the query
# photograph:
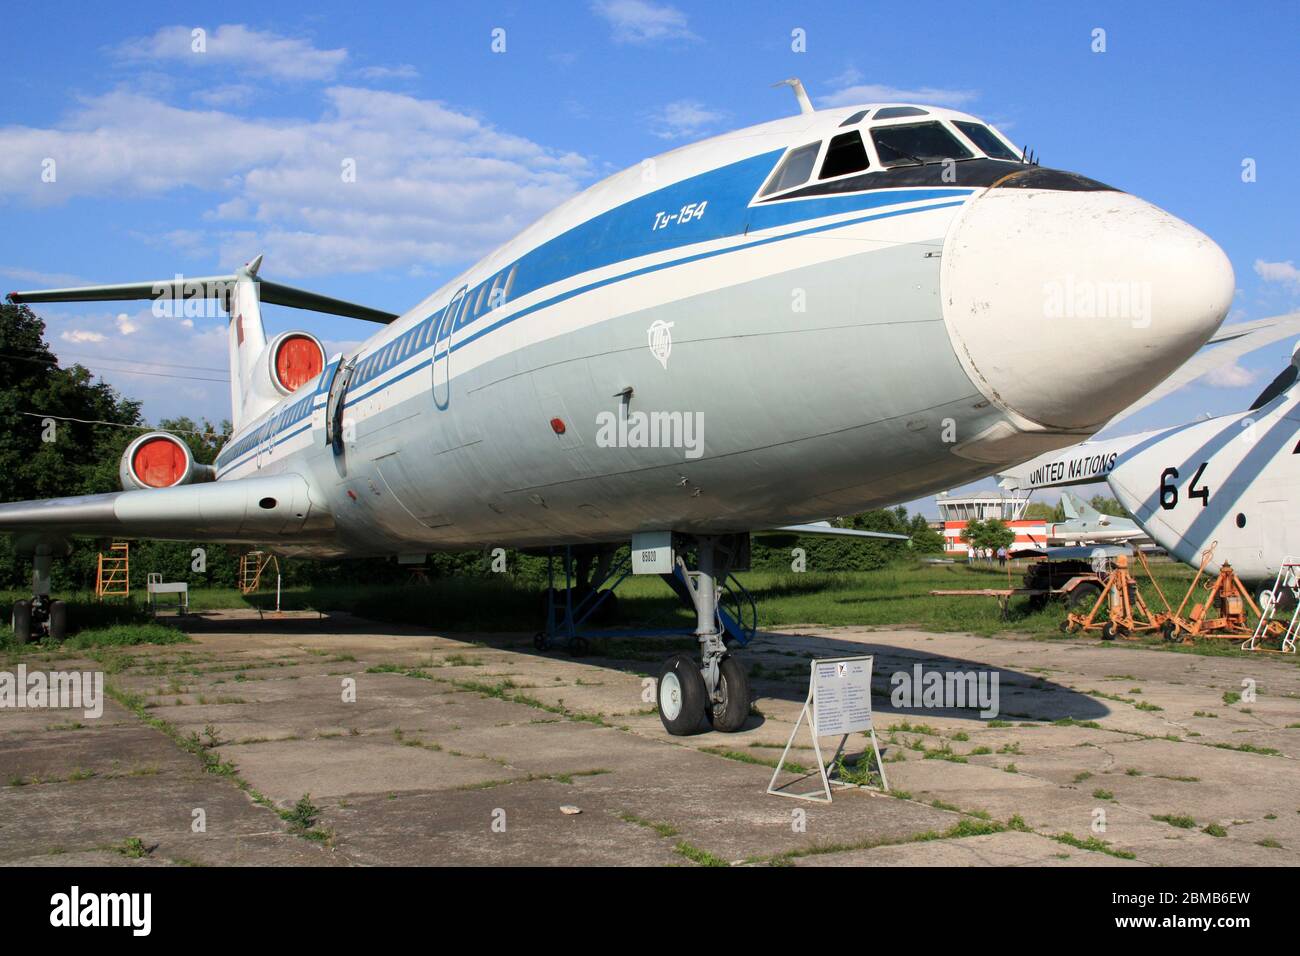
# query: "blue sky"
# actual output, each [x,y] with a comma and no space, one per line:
[170,161]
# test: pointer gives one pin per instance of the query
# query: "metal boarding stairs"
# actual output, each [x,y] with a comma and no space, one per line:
[1286,585]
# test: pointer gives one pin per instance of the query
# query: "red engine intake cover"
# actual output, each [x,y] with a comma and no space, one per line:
[298,360]
[159,463]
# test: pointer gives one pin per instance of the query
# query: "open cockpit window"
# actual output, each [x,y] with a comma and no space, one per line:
[917,144]
[986,140]
[794,169]
[845,155]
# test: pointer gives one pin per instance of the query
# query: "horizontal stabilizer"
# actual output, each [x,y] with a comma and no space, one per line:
[205,287]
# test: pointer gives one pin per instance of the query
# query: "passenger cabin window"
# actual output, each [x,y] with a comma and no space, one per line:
[795,170]
[916,144]
[845,155]
[986,140]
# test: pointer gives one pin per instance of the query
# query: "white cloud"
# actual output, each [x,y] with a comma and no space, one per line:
[222,97]
[863,93]
[1229,376]
[236,46]
[41,280]
[433,186]
[125,325]
[77,336]
[683,118]
[641,22]
[379,74]
[1283,272]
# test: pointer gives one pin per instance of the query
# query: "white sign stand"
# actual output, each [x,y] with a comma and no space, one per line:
[838,704]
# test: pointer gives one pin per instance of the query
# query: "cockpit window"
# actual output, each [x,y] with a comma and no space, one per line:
[1285,379]
[795,170]
[855,119]
[916,144]
[846,154]
[896,112]
[986,140]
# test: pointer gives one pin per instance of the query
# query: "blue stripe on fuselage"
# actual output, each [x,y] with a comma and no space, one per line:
[628,232]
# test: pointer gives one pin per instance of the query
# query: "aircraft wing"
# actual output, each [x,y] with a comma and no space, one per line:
[826,528]
[241,511]
[1227,345]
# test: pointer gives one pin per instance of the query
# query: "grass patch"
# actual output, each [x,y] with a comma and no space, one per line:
[1093,845]
[1175,820]
[126,635]
[1250,749]
[698,856]
[302,817]
[741,757]
[662,829]
[133,848]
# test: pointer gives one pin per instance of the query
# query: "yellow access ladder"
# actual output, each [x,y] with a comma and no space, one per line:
[113,576]
[251,566]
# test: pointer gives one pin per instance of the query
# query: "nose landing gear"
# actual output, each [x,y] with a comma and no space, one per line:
[714,691]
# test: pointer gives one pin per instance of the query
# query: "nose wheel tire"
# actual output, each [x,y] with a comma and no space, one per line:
[683,698]
[22,621]
[730,713]
[58,620]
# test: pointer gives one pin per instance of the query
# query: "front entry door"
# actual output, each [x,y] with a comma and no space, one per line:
[442,346]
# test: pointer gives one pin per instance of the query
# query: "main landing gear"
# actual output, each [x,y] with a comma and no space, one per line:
[714,690]
[40,615]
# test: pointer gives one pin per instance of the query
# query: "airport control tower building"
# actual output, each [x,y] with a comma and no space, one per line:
[956,510]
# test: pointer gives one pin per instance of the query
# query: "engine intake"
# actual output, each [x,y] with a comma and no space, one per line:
[294,359]
[160,460]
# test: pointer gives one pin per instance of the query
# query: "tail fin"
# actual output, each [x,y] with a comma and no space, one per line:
[247,338]
[1075,507]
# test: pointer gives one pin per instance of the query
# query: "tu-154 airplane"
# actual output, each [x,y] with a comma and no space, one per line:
[839,310]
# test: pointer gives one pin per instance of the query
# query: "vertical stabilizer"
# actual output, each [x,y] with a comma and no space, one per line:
[247,341]
[1076,507]
[1068,506]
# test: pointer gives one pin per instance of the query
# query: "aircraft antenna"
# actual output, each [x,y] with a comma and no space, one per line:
[800,94]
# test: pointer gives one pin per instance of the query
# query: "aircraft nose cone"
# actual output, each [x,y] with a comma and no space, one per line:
[1067,305]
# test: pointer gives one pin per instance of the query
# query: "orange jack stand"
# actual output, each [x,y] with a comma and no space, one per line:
[1223,612]
[1120,610]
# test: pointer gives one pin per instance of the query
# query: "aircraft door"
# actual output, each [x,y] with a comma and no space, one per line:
[335,426]
[442,344]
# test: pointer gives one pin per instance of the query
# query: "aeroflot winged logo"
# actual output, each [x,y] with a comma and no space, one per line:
[661,341]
